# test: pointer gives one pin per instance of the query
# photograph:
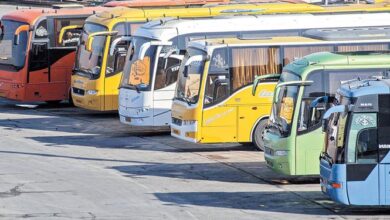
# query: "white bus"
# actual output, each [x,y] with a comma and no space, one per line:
[158,47]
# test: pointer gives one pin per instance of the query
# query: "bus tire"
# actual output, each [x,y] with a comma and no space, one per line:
[258,135]
[70,99]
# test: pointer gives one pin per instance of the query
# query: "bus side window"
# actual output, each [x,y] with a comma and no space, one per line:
[367,146]
[72,36]
[167,71]
[311,117]
[39,56]
[363,139]
[218,79]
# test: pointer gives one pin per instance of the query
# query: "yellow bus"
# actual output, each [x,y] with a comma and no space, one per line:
[213,101]
[98,72]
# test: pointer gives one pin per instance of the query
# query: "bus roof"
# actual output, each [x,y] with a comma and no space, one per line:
[30,16]
[365,87]
[154,3]
[112,16]
[167,28]
[237,42]
[329,60]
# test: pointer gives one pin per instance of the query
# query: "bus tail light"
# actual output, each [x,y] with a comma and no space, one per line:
[336,185]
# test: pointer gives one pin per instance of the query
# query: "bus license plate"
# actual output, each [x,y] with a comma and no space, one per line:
[128,119]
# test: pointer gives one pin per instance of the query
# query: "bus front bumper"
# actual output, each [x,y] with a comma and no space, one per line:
[12,91]
[276,153]
[87,99]
[136,116]
[186,132]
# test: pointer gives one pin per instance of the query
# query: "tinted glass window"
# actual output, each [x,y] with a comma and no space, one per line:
[41,30]
[362,138]
[247,63]
[367,146]
[71,37]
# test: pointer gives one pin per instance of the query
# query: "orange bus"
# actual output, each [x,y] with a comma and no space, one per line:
[38,48]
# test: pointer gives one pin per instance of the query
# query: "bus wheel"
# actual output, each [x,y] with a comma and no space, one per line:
[70,99]
[258,135]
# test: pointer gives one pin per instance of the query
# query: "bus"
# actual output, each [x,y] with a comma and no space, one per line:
[149,80]
[98,70]
[38,48]
[293,138]
[216,103]
[354,163]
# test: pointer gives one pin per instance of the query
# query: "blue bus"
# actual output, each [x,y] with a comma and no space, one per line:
[355,161]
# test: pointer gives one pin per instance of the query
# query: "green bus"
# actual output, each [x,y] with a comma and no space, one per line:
[293,138]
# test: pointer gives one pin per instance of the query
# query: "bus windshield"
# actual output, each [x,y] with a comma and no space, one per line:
[284,104]
[11,54]
[138,76]
[90,62]
[142,72]
[189,79]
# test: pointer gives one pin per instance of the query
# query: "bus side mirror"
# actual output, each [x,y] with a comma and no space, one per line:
[335,109]
[19,30]
[91,38]
[320,100]
[258,79]
[71,28]
[114,45]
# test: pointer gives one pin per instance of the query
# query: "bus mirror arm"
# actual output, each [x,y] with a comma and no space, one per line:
[335,109]
[258,79]
[66,28]
[91,37]
[145,47]
[18,31]
[317,101]
[117,41]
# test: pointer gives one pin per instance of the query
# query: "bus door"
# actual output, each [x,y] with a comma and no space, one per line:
[307,147]
[62,53]
[219,118]
[362,168]
[164,86]
[38,71]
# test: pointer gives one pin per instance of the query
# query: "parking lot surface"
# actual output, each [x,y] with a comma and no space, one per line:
[63,162]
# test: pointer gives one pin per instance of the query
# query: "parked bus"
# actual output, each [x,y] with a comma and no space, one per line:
[37,51]
[149,80]
[293,138]
[216,103]
[98,70]
[355,160]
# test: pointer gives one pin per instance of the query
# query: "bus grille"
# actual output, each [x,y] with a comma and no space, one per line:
[177,121]
[78,91]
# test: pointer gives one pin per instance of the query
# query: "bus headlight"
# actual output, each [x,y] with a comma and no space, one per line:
[188,122]
[92,92]
[281,153]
